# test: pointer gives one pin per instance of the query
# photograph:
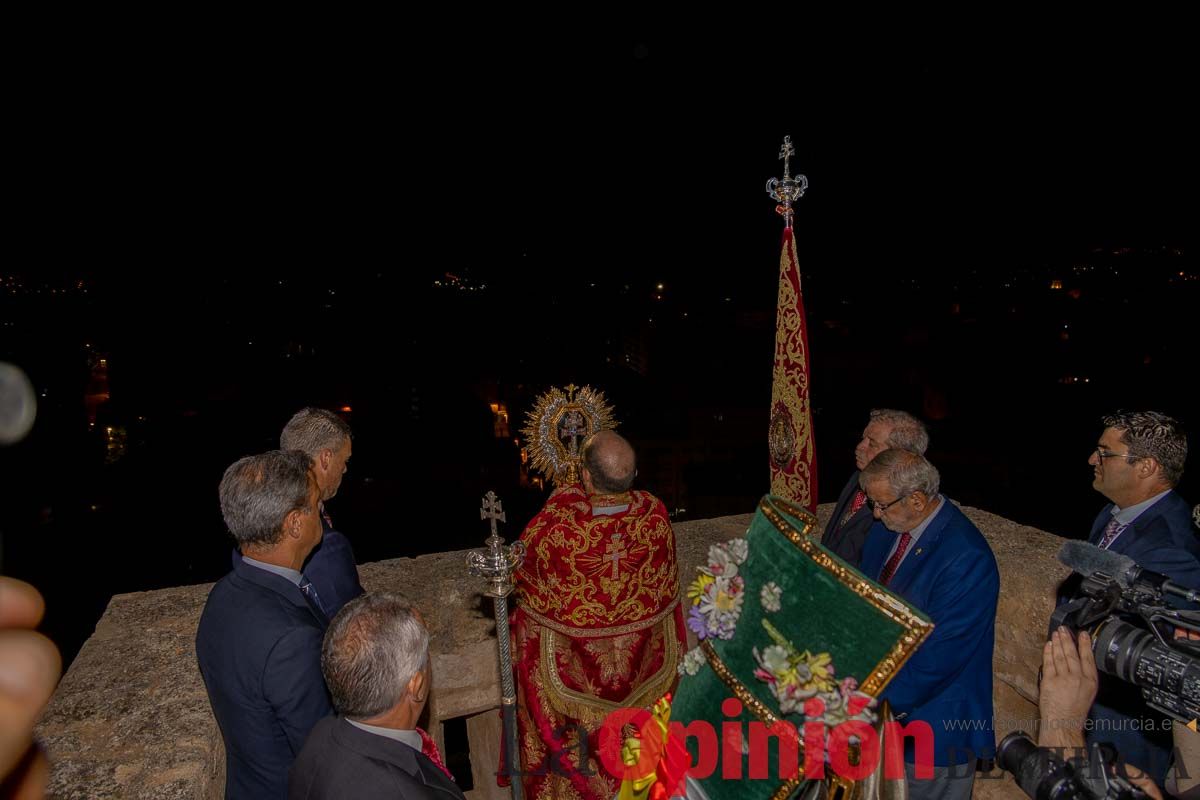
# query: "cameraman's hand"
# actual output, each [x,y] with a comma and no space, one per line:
[1069,684]
[1142,781]
[29,669]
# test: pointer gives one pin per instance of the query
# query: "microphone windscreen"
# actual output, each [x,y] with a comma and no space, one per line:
[1087,560]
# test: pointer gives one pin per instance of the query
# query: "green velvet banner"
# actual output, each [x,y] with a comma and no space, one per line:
[786,627]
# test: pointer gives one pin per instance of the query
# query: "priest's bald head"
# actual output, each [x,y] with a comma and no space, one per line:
[609,465]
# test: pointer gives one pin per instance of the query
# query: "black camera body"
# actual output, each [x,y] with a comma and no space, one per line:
[1139,634]
[1044,774]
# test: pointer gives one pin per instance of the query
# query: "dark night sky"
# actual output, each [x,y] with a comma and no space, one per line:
[627,143]
[182,175]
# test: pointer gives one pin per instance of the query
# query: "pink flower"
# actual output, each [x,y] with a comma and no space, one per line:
[763,675]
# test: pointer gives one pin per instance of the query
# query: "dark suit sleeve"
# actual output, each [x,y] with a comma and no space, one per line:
[839,508]
[345,555]
[294,686]
[963,610]
[1164,554]
[1176,563]
[338,569]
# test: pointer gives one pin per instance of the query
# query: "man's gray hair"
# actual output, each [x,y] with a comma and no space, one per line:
[373,648]
[908,432]
[905,471]
[1150,434]
[258,492]
[313,430]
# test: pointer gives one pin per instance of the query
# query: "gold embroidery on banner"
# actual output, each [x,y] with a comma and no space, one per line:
[915,628]
[790,405]
[781,439]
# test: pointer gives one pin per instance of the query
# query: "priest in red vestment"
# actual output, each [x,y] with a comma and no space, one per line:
[598,625]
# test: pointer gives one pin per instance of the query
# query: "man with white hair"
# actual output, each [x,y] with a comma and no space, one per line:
[375,659]
[923,549]
[847,528]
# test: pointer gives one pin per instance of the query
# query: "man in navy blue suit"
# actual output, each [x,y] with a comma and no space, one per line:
[847,528]
[1137,463]
[259,639]
[325,438]
[925,550]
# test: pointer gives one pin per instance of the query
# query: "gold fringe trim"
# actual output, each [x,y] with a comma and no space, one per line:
[588,633]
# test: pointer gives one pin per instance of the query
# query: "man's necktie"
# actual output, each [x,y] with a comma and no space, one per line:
[310,592]
[860,500]
[1111,533]
[429,748]
[889,569]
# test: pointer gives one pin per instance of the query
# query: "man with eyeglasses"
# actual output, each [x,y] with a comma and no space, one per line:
[922,548]
[847,528]
[1136,464]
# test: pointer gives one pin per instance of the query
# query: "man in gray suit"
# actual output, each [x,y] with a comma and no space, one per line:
[375,659]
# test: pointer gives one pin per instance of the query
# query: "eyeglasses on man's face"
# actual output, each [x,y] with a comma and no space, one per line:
[1102,454]
[882,507]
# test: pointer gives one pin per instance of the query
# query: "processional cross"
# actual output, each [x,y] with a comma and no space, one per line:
[492,510]
[789,189]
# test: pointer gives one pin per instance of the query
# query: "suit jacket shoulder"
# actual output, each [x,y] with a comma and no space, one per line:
[1163,540]
[848,541]
[258,645]
[340,760]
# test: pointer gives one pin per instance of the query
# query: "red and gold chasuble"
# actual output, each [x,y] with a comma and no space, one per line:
[598,626]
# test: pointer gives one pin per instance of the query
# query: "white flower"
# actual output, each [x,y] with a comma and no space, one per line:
[770,595]
[723,597]
[739,549]
[720,563]
[719,606]
[774,659]
[692,662]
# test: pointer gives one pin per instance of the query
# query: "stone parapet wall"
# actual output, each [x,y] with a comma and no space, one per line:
[131,717]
